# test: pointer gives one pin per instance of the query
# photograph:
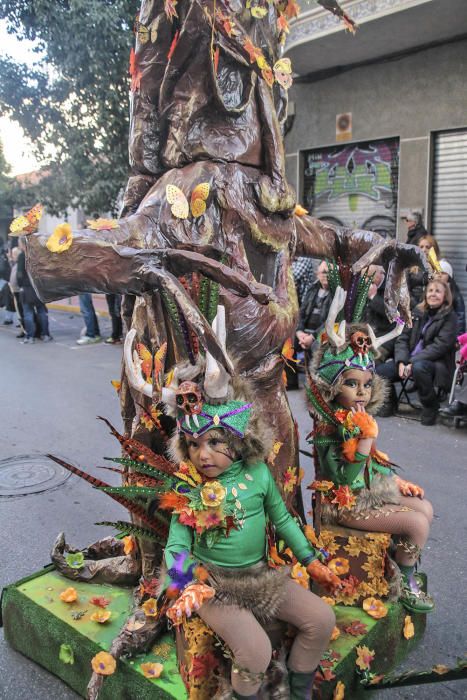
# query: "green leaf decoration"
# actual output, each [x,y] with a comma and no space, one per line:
[75,560]
[66,654]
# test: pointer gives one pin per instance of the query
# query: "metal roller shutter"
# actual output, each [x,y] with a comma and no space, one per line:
[449,203]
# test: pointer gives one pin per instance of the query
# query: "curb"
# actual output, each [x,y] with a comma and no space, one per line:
[72,309]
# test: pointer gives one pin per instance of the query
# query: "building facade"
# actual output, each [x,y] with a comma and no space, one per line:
[379,119]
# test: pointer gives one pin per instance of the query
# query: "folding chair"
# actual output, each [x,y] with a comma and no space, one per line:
[407,387]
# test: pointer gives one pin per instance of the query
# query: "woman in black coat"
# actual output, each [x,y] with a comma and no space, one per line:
[426,352]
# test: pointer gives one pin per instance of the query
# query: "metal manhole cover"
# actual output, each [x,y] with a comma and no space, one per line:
[26,474]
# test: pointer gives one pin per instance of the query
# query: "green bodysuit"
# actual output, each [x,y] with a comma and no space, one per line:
[258,494]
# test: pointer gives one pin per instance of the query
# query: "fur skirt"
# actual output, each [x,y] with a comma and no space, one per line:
[383,491]
[257,588]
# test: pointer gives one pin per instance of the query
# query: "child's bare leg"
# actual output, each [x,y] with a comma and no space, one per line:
[314,621]
[247,641]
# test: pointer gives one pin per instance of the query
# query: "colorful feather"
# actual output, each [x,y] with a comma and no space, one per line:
[131,529]
[318,403]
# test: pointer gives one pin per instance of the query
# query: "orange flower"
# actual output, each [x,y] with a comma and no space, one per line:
[150,607]
[339,566]
[335,634]
[339,691]
[173,501]
[101,616]
[344,498]
[69,595]
[151,670]
[364,657]
[322,486]
[375,608]
[129,544]
[300,575]
[409,629]
[103,663]
[212,494]
[61,239]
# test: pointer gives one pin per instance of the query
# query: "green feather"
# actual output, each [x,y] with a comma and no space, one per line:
[203,295]
[130,529]
[130,492]
[141,468]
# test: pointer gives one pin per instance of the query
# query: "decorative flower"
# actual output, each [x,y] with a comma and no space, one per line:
[328,600]
[187,518]
[409,629]
[300,211]
[102,224]
[100,601]
[283,72]
[375,608]
[207,519]
[61,239]
[75,560]
[290,480]
[150,607]
[212,494]
[129,544]
[344,498]
[300,575]
[339,691]
[440,669]
[103,663]
[364,657]
[353,546]
[335,634]
[151,669]
[356,629]
[69,595]
[101,616]
[339,566]
[322,486]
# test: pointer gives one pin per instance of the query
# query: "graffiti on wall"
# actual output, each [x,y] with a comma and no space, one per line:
[354,185]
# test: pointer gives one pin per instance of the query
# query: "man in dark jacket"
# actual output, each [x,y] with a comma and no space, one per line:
[33,308]
[375,312]
[425,352]
[314,309]
[415,228]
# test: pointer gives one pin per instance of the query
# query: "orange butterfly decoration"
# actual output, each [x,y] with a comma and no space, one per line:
[179,203]
[146,361]
[159,358]
[29,223]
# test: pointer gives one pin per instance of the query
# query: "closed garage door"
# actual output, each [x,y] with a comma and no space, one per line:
[449,212]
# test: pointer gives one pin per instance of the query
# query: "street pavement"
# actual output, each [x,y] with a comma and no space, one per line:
[50,397]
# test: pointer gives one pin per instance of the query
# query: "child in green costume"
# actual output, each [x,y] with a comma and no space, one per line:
[221,508]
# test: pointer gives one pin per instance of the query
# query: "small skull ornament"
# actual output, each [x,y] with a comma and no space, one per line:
[189,398]
[360,343]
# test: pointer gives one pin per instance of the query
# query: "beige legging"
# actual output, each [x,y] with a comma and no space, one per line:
[250,644]
[413,524]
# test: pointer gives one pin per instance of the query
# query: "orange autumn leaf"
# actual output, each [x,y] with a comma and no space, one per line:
[215,59]
[173,501]
[409,629]
[282,24]
[292,9]
[336,633]
[339,691]
[365,657]
[253,51]
[129,544]
[173,45]
[344,498]
[117,385]
[135,73]
[100,601]
[300,211]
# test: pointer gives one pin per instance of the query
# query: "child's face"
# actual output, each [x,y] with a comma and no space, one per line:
[210,453]
[356,389]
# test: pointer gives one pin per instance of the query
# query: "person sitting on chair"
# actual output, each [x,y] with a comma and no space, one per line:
[314,310]
[425,352]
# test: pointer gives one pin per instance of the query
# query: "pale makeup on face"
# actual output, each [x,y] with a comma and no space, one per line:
[435,295]
[356,389]
[209,453]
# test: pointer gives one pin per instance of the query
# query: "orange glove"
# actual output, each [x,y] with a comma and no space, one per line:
[324,576]
[367,424]
[189,602]
[408,489]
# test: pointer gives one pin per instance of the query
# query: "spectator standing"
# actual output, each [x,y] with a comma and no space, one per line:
[302,270]
[458,304]
[415,227]
[15,290]
[6,298]
[92,332]
[425,352]
[114,303]
[34,310]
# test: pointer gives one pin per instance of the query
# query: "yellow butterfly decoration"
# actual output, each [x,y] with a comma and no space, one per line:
[146,361]
[179,203]
[29,223]
[159,358]
[145,34]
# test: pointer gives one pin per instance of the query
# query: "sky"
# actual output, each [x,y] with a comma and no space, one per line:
[17,148]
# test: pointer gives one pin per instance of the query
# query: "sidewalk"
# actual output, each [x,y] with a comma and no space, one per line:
[71,304]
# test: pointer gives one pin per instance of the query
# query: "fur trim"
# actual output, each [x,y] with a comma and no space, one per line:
[383,491]
[256,588]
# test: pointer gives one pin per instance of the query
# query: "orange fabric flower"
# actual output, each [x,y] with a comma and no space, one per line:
[335,634]
[409,629]
[213,494]
[101,616]
[344,498]
[150,607]
[364,657]
[375,608]
[151,670]
[129,544]
[104,664]
[300,575]
[69,595]
[339,566]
